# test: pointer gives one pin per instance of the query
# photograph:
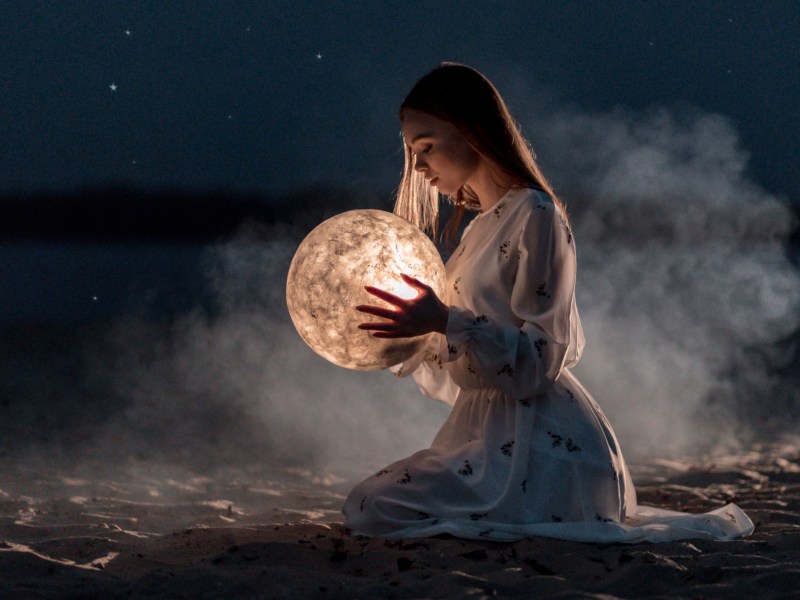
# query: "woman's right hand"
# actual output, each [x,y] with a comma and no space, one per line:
[410,318]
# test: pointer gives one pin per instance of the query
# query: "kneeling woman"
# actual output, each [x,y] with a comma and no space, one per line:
[526,450]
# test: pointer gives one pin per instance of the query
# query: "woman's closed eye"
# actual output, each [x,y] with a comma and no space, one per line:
[423,150]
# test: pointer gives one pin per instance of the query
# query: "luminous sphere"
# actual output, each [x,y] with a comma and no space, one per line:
[327,278]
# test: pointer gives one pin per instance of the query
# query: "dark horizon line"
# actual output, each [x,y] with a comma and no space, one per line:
[123,213]
[118,213]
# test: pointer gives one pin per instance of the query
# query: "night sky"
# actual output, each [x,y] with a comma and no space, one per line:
[185,148]
[275,96]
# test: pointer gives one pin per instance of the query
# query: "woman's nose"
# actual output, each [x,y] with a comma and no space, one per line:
[420,164]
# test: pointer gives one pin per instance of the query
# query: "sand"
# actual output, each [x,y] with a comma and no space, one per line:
[245,537]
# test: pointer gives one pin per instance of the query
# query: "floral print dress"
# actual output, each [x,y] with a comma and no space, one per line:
[526,450]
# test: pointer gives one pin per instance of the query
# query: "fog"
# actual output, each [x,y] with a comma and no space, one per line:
[685,290]
[685,285]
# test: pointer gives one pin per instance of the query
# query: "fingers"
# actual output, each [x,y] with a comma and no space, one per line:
[385,296]
[414,282]
[378,311]
[385,330]
[390,325]
[402,321]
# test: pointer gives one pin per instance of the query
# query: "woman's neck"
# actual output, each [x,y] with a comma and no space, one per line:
[486,189]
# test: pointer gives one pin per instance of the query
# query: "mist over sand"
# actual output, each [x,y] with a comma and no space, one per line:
[685,290]
[685,283]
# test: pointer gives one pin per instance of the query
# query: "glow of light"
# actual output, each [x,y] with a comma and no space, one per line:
[328,274]
[402,289]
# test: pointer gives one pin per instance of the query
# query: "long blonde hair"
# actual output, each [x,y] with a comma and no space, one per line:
[464,97]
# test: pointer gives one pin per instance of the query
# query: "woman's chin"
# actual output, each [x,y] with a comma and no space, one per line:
[442,190]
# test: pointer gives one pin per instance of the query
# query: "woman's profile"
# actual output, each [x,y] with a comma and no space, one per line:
[526,450]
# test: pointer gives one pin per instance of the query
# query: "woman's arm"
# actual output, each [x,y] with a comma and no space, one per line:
[522,360]
[525,359]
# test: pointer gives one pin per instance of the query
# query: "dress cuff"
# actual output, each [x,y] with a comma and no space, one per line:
[429,352]
[460,326]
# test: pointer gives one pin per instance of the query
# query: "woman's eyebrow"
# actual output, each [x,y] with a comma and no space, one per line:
[419,136]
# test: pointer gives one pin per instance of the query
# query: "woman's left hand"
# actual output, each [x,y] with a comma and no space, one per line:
[417,316]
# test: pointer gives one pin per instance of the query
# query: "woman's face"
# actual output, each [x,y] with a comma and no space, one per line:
[440,152]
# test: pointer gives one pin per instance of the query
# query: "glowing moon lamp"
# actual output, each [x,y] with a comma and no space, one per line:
[327,278]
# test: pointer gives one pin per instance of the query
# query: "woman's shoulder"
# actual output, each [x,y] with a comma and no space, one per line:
[531,202]
[538,211]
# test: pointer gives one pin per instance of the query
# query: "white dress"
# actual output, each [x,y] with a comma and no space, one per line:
[526,450]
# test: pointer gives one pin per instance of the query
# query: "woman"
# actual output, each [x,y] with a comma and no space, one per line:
[526,450]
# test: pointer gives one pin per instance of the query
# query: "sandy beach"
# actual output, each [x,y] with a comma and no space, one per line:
[203,537]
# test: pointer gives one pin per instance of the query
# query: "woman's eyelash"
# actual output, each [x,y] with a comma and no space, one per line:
[423,150]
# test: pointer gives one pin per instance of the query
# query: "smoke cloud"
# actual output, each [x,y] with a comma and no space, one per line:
[684,286]
[685,291]
[684,282]
[238,388]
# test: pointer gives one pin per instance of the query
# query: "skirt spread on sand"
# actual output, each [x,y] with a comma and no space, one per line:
[504,470]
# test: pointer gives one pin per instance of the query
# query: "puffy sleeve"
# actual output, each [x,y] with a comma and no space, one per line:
[525,354]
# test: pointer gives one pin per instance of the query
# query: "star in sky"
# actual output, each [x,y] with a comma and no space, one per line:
[127,32]
[319,56]
[113,87]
